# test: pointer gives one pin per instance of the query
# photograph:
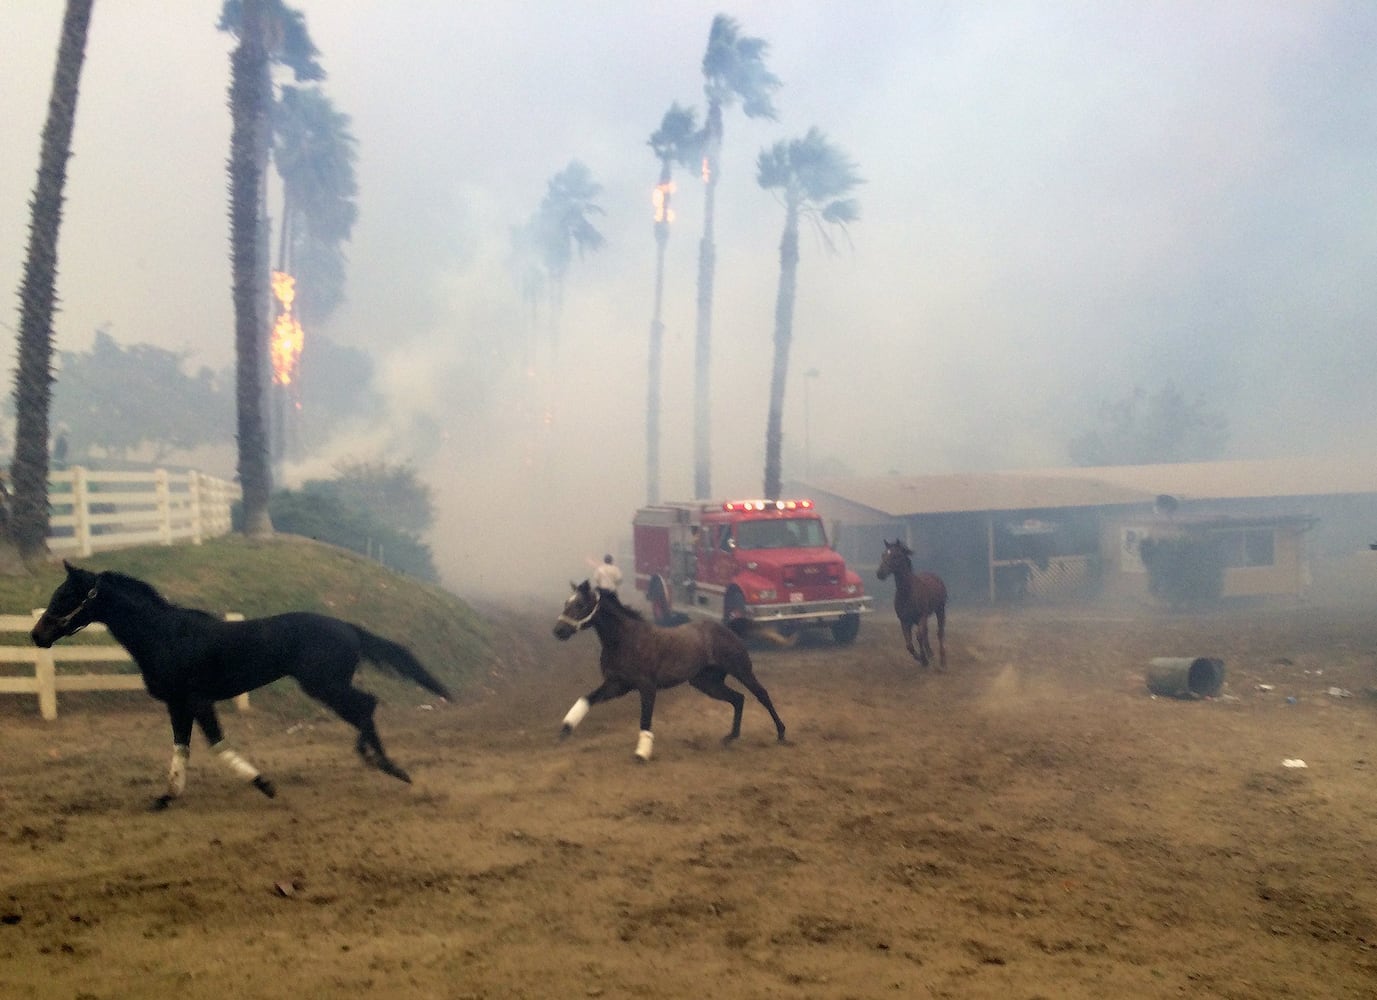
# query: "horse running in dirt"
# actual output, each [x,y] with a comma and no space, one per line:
[641,657]
[916,596]
[190,659]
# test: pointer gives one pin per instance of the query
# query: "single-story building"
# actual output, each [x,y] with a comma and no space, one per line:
[1077,532]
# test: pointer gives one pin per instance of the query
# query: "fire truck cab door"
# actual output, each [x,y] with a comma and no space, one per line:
[714,561]
[723,555]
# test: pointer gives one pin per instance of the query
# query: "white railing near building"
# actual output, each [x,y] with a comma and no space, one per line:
[97,510]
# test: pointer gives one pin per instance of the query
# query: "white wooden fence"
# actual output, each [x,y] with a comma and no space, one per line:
[96,510]
[46,682]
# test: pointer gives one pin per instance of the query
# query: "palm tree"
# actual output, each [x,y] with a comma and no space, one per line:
[677,140]
[527,269]
[562,227]
[33,378]
[285,36]
[269,32]
[812,177]
[733,69]
[314,152]
[250,100]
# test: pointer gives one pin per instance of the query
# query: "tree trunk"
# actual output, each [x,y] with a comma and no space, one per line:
[702,343]
[657,340]
[28,522]
[250,92]
[784,336]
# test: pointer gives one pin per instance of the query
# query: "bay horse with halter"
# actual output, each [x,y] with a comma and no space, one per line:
[916,596]
[645,658]
[191,659]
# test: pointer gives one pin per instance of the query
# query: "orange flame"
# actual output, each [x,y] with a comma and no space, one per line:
[660,199]
[707,170]
[288,337]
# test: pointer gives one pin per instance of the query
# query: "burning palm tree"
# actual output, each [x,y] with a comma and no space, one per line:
[268,30]
[676,141]
[314,152]
[33,379]
[733,69]
[250,99]
[812,177]
[284,353]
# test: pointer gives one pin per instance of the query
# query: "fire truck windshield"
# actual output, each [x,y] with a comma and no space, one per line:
[794,533]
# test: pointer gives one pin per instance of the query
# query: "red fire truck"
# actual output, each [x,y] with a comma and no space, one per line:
[744,562]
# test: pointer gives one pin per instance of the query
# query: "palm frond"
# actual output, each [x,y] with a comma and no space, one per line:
[842,211]
[678,139]
[734,69]
[773,166]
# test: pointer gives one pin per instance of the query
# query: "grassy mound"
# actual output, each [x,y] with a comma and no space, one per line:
[290,573]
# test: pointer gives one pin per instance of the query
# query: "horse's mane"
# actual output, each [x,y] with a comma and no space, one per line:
[146,591]
[611,597]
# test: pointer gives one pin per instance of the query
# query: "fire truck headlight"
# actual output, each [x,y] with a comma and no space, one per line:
[850,588]
[768,594]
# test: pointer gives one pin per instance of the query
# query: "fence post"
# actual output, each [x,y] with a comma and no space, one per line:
[45,676]
[81,511]
[193,486]
[164,510]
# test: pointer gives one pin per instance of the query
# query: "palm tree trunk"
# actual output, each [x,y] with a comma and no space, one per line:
[33,379]
[250,92]
[702,343]
[784,336]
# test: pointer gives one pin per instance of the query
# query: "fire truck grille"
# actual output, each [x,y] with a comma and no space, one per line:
[812,575]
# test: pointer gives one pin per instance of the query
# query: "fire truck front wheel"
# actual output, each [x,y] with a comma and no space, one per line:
[845,631]
[734,611]
[659,602]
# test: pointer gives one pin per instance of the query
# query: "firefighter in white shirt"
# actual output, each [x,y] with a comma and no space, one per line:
[607,576]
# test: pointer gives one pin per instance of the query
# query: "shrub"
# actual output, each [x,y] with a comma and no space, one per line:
[325,516]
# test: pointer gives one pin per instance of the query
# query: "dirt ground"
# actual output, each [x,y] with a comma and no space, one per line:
[1030,824]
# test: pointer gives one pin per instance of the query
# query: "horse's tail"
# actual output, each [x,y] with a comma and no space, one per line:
[385,652]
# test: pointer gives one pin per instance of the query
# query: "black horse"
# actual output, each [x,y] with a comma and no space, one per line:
[190,659]
[638,656]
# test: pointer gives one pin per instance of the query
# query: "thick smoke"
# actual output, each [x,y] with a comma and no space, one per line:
[1059,204]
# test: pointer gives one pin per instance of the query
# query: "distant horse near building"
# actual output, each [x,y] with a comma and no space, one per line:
[916,596]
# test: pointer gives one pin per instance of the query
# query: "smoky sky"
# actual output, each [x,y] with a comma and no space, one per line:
[1062,201]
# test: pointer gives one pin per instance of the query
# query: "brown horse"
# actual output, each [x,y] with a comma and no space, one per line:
[916,595]
[638,656]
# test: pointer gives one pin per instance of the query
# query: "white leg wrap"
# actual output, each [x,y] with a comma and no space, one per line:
[645,744]
[234,762]
[176,773]
[577,713]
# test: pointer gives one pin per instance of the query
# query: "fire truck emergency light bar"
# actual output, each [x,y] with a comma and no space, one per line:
[767,505]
